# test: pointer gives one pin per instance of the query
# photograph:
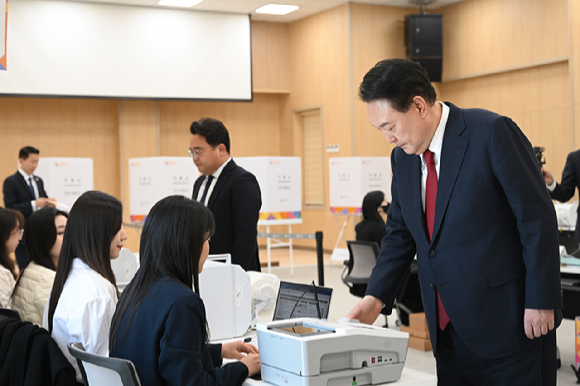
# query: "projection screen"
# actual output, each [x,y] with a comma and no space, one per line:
[60,48]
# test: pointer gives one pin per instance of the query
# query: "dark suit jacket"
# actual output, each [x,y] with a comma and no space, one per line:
[29,356]
[17,193]
[570,180]
[235,203]
[166,341]
[494,250]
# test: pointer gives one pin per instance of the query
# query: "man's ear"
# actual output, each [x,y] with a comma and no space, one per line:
[421,105]
[222,149]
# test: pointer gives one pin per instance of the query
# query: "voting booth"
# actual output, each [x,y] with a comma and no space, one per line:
[280,180]
[350,179]
[154,178]
[65,178]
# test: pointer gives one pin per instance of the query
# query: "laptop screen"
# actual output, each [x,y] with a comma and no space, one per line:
[297,300]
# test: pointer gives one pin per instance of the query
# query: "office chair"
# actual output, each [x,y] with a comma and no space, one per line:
[98,370]
[357,270]
[7,313]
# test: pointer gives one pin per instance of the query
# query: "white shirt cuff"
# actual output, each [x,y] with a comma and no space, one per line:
[553,186]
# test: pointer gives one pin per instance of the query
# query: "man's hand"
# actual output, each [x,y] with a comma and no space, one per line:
[366,310]
[42,202]
[538,322]
[548,177]
[237,350]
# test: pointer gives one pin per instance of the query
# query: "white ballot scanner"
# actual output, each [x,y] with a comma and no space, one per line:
[313,352]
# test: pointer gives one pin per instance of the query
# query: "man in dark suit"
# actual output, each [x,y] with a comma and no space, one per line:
[564,190]
[230,192]
[468,198]
[25,193]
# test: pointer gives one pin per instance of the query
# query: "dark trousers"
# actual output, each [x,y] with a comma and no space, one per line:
[458,366]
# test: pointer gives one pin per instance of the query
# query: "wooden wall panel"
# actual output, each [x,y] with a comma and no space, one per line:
[270,57]
[62,127]
[378,33]
[485,35]
[320,77]
[253,127]
[574,25]
[536,99]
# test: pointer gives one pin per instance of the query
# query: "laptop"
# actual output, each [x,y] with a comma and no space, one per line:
[297,300]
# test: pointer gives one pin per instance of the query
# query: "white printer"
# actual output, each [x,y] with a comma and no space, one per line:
[312,352]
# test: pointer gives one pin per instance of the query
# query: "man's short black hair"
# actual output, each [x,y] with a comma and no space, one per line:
[26,151]
[213,131]
[398,81]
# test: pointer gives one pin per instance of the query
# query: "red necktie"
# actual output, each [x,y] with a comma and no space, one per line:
[430,198]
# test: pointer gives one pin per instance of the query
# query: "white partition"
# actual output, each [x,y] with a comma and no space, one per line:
[65,179]
[153,178]
[351,178]
[280,180]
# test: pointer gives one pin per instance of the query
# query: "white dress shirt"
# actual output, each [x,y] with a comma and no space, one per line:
[435,146]
[84,312]
[215,175]
[26,177]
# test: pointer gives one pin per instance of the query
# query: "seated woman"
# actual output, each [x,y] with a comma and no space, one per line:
[43,233]
[160,323]
[84,294]
[374,208]
[10,235]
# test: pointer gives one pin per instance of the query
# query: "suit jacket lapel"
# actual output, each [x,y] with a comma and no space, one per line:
[452,154]
[221,181]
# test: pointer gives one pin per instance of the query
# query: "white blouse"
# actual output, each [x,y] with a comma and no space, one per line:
[6,287]
[84,312]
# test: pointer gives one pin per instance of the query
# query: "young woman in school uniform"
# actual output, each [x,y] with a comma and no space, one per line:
[43,231]
[84,294]
[160,323]
[10,235]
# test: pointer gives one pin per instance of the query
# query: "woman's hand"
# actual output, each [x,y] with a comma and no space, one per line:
[253,363]
[238,350]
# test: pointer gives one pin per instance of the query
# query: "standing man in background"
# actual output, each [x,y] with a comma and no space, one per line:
[468,198]
[565,190]
[230,192]
[25,193]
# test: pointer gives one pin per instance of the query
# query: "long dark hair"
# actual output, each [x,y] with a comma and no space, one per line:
[171,245]
[40,235]
[93,222]
[8,222]
[371,203]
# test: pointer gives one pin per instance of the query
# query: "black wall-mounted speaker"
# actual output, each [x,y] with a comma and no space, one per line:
[424,42]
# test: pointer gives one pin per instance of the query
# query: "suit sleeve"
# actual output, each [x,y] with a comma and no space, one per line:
[519,175]
[182,346]
[397,252]
[10,190]
[246,204]
[565,189]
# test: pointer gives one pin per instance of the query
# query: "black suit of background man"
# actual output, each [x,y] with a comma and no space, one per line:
[18,195]
[233,196]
